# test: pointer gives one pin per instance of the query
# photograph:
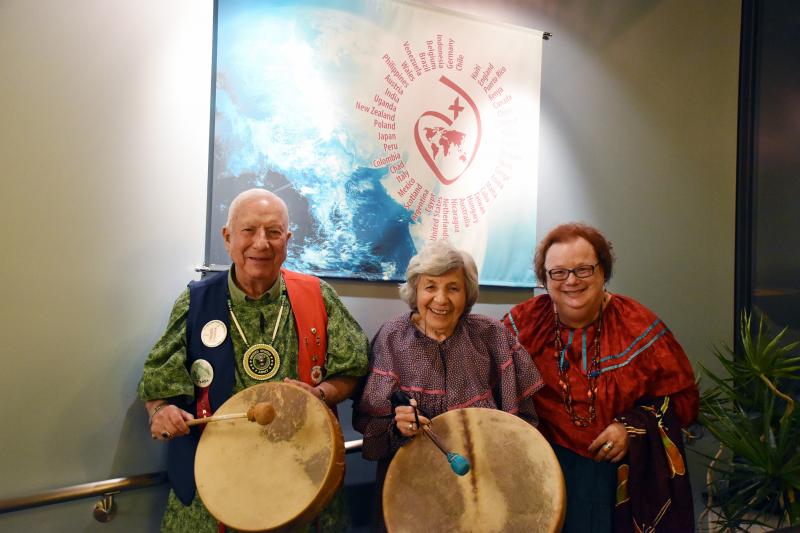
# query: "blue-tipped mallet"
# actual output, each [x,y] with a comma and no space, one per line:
[458,463]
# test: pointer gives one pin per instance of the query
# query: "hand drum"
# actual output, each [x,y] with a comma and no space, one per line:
[515,483]
[255,477]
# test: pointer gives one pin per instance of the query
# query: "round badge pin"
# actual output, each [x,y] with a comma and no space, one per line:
[261,362]
[202,373]
[213,333]
[316,374]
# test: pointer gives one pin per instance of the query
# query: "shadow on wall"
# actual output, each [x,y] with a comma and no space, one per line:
[595,23]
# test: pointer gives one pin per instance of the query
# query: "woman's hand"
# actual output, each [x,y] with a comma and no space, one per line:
[169,421]
[611,444]
[405,420]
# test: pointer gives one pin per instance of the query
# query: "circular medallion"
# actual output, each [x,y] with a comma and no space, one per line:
[202,373]
[316,374]
[213,333]
[261,362]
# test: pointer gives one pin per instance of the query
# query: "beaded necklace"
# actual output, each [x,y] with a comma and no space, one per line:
[594,372]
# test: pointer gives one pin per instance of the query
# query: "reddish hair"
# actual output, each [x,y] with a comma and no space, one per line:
[567,233]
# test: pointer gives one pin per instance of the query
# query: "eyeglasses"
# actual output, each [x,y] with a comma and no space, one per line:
[561,274]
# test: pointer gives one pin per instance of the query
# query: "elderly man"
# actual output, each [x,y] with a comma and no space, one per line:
[240,328]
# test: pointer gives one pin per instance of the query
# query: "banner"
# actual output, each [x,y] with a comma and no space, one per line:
[383,125]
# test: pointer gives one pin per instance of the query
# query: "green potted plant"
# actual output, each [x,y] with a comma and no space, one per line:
[754,478]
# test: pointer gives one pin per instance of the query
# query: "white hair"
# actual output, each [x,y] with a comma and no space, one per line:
[435,259]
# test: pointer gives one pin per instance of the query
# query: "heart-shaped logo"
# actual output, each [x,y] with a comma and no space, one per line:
[448,145]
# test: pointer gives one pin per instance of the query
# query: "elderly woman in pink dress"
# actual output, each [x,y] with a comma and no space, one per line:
[440,355]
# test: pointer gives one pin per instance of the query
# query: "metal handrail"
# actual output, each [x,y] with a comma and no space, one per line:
[105,487]
[353,446]
[84,490]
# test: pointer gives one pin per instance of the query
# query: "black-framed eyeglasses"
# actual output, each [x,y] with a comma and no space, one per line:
[582,271]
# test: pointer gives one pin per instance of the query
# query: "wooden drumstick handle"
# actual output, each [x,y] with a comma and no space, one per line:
[215,418]
[429,432]
[262,412]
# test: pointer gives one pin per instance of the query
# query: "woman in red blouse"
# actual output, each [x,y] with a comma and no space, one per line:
[612,369]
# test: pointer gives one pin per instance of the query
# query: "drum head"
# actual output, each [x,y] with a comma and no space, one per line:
[265,478]
[514,483]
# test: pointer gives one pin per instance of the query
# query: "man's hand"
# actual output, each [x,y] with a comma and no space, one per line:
[167,420]
[332,390]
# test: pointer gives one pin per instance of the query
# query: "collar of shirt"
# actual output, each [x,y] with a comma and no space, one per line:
[238,297]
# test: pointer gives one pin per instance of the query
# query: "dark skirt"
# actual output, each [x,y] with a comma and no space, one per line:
[591,492]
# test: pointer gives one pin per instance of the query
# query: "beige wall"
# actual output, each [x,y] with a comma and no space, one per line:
[104,109]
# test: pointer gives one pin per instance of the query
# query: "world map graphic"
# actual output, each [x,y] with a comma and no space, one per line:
[439,136]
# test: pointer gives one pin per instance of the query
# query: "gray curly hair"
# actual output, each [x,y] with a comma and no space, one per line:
[435,259]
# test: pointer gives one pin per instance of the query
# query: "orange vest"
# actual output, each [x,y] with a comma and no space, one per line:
[311,321]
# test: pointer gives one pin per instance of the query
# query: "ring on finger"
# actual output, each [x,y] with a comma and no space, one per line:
[165,434]
[608,446]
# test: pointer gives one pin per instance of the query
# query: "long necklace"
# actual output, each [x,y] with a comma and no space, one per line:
[594,372]
[260,361]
